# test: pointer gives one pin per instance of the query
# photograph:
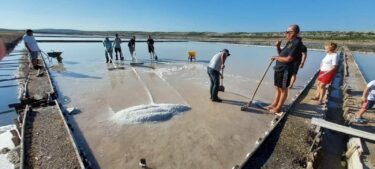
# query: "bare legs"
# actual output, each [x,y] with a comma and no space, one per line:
[360,113]
[292,81]
[280,97]
[320,92]
[152,55]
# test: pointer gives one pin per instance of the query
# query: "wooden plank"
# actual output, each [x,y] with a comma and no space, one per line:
[343,129]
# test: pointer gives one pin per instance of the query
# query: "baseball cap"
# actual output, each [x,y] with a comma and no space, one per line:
[226,51]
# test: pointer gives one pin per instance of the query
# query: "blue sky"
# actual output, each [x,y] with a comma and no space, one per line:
[189,15]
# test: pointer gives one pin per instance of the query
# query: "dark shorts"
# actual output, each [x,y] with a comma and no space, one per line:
[150,49]
[34,55]
[117,50]
[368,105]
[282,78]
[295,68]
[131,50]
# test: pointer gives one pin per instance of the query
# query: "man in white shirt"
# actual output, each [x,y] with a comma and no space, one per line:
[368,99]
[213,69]
[32,47]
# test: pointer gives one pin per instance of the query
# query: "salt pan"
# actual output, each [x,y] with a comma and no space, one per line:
[149,113]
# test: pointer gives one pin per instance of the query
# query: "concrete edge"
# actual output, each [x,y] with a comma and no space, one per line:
[74,143]
[276,120]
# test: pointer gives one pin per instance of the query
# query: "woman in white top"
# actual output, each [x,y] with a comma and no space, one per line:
[327,71]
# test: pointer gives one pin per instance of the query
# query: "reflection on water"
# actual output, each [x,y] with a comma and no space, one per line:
[8,85]
[366,65]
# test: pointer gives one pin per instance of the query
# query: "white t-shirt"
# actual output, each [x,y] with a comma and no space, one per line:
[31,42]
[371,92]
[215,62]
[328,61]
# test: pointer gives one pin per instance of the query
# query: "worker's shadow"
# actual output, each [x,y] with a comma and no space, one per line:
[251,109]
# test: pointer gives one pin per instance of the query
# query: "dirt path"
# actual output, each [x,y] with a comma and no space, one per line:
[47,141]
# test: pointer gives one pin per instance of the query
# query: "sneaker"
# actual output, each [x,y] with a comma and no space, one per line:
[364,120]
[359,120]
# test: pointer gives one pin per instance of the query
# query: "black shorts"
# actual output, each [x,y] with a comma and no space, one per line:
[117,50]
[282,78]
[150,49]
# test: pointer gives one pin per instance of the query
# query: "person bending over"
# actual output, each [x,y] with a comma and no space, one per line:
[33,48]
[368,99]
[213,70]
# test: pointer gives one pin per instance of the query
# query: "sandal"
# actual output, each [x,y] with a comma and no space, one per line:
[268,107]
[276,113]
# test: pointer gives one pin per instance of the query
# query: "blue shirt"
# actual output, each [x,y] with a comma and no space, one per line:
[107,44]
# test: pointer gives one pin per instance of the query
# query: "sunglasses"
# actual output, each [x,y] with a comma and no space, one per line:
[288,32]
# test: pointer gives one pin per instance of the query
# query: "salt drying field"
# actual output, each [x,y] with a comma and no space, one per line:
[9,85]
[161,111]
[366,65]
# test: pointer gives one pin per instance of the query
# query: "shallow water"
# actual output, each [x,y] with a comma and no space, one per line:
[9,86]
[83,69]
[106,97]
[366,65]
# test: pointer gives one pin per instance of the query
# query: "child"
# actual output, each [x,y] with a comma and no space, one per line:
[327,71]
[368,99]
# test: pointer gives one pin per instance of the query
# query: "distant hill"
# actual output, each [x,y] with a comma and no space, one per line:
[313,35]
[58,31]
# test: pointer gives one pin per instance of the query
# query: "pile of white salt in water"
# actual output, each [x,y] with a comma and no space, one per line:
[149,113]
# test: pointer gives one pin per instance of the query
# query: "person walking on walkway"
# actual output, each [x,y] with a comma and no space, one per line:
[326,72]
[298,64]
[33,48]
[283,68]
[151,49]
[108,49]
[117,44]
[131,46]
[2,49]
[213,69]
[368,98]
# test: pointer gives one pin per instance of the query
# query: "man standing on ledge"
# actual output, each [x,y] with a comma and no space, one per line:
[32,47]
[213,69]
[284,67]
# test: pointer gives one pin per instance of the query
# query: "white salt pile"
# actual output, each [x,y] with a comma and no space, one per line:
[149,113]
[6,142]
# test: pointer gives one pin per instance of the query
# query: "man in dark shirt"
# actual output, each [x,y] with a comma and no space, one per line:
[151,49]
[283,67]
[131,46]
[298,64]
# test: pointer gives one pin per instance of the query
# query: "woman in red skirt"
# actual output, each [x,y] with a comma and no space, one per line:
[327,71]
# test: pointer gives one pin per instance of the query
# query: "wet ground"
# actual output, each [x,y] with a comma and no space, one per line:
[208,135]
